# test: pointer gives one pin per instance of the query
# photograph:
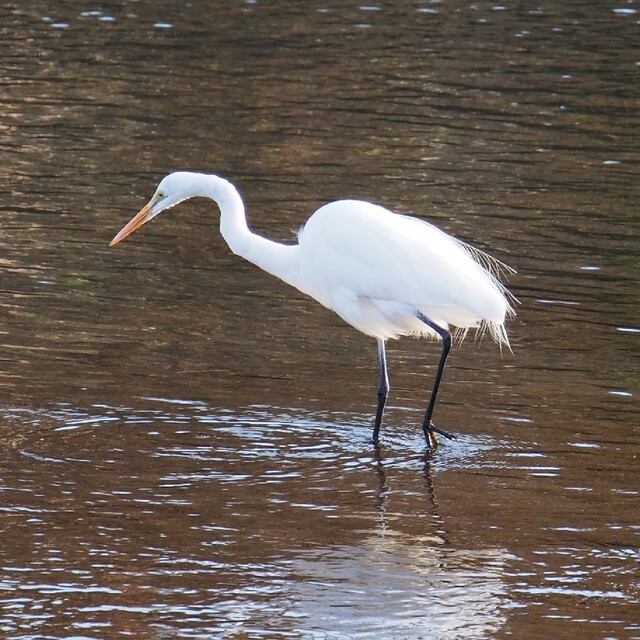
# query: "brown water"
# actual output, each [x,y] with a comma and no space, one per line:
[185,440]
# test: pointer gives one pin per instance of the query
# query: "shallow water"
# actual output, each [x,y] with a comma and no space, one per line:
[185,440]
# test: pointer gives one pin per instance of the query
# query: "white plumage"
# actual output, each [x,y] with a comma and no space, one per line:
[385,274]
[375,268]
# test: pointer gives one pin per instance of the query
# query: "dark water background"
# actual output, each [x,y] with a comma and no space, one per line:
[185,441]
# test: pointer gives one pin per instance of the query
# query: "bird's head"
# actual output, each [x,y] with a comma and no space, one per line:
[172,190]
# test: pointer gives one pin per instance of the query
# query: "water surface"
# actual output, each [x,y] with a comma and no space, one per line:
[186,440]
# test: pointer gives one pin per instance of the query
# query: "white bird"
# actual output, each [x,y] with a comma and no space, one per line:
[384,273]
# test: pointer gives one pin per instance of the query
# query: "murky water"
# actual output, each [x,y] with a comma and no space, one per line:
[185,440]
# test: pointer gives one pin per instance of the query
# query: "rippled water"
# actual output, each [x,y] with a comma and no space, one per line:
[186,441]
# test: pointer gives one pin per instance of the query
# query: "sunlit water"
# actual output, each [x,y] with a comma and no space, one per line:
[186,442]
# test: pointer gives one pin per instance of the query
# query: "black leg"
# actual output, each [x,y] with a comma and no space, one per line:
[430,430]
[383,389]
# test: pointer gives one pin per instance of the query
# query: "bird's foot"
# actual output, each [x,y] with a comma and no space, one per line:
[431,433]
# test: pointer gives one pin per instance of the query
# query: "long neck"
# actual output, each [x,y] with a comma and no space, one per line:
[278,259]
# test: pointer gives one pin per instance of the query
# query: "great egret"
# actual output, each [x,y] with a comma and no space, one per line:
[385,274]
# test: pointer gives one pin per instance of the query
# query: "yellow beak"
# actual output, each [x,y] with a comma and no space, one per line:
[137,221]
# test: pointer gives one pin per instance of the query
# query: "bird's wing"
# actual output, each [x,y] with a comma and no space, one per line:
[381,255]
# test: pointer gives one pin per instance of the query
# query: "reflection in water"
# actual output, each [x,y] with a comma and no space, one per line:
[246,522]
[193,520]
[393,584]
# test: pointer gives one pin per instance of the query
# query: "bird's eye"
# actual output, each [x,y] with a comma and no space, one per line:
[160,195]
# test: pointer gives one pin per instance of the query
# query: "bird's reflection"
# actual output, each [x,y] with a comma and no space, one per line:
[403,574]
[431,502]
